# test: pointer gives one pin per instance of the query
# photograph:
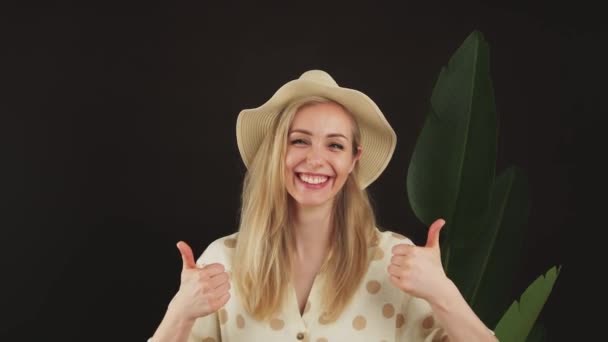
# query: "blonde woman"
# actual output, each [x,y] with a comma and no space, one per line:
[308,262]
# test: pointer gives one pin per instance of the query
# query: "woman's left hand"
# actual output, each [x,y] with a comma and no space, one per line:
[417,270]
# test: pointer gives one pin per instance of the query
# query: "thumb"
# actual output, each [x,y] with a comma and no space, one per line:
[187,256]
[433,236]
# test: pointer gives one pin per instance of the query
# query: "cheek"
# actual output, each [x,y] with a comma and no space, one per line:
[344,166]
[291,160]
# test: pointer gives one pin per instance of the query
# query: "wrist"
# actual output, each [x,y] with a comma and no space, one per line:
[447,298]
[177,317]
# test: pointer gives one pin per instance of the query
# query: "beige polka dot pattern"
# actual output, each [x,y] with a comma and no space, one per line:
[388,310]
[223,316]
[373,286]
[240,321]
[359,323]
[400,320]
[428,322]
[379,312]
[277,324]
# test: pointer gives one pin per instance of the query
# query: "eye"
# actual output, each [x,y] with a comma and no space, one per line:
[336,146]
[298,141]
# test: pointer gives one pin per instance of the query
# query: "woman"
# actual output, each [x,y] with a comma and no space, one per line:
[308,263]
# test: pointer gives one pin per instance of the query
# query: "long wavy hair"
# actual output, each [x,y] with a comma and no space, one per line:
[262,266]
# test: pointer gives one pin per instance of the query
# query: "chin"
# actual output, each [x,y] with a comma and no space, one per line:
[311,202]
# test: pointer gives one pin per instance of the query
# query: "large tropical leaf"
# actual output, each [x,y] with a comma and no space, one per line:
[517,322]
[538,333]
[452,168]
[483,272]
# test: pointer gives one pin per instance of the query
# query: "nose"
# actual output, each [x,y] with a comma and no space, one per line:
[314,158]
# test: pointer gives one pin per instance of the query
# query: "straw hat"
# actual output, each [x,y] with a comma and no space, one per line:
[377,136]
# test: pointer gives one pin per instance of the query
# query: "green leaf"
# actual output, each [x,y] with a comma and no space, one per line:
[517,322]
[453,163]
[483,271]
[538,333]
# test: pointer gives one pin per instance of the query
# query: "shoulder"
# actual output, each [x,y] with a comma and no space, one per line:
[381,246]
[387,239]
[220,251]
[380,252]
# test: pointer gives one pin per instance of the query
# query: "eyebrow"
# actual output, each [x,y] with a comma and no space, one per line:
[330,135]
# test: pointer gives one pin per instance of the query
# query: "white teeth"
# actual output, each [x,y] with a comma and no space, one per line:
[313,179]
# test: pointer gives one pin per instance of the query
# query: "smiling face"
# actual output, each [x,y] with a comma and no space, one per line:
[320,153]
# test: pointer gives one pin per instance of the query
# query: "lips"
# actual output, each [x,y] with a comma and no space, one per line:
[313,181]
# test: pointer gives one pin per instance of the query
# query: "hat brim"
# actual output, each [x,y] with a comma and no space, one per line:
[378,139]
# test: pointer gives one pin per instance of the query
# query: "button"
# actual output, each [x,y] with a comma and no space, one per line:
[300,336]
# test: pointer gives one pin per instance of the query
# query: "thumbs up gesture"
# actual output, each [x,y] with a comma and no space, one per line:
[202,290]
[417,270]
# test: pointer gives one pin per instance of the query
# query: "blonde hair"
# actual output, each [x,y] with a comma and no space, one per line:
[262,266]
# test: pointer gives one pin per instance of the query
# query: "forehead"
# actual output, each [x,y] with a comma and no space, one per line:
[323,116]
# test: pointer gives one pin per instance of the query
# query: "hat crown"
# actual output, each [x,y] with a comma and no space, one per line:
[318,76]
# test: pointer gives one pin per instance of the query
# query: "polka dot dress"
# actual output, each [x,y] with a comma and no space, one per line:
[378,312]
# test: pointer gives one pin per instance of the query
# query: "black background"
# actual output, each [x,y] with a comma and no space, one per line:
[118,140]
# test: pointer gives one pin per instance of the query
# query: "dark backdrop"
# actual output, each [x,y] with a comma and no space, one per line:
[118,130]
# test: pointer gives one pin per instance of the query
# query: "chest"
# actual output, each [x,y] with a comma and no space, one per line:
[303,281]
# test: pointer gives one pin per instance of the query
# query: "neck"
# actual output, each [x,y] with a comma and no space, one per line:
[312,230]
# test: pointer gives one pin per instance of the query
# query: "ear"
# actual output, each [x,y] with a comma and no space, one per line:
[356,158]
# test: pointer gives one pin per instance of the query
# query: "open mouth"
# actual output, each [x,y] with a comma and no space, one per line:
[313,181]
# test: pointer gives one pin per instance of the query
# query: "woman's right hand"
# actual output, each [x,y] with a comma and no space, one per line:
[203,289]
